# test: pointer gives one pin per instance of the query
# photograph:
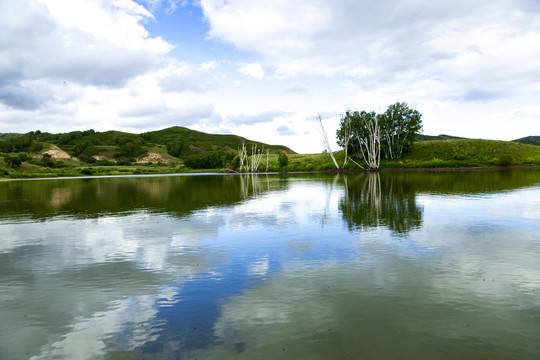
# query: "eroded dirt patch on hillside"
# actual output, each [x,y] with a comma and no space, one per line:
[153,158]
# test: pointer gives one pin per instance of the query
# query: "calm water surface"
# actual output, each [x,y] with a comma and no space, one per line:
[314,266]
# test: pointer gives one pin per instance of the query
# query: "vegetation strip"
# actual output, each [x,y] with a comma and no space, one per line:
[37,155]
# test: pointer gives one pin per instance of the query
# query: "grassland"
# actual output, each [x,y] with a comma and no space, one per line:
[430,154]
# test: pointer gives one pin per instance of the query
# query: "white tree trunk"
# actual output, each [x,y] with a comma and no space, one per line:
[326,143]
[371,144]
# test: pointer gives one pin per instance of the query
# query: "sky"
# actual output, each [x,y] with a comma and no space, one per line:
[265,69]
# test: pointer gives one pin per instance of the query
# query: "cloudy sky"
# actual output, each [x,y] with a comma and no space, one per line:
[264,69]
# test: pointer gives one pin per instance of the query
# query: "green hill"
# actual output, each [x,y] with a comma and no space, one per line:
[171,150]
[454,153]
[532,140]
[172,144]
[471,153]
[421,137]
[8,135]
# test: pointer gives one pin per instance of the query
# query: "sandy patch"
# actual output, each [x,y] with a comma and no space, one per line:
[58,154]
[102,157]
[152,158]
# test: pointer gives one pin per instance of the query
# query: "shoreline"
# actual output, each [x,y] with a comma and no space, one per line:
[335,171]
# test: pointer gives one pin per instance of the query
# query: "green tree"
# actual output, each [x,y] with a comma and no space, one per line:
[174,147]
[366,135]
[13,161]
[47,160]
[283,160]
[399,127]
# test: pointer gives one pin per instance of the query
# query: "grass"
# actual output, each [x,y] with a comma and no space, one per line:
[425,154]
[468,153]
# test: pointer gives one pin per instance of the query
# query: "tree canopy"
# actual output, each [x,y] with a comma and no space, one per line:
[365,135]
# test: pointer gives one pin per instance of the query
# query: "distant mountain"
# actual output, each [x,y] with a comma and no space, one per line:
[438,137]
[8,135]
[532,140]
[163,145]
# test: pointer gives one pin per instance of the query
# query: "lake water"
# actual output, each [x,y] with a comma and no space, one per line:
[442,265]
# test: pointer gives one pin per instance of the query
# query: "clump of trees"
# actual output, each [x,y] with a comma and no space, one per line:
[366,136]
[210,160]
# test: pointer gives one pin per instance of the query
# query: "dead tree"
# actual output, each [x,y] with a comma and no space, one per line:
[326,143]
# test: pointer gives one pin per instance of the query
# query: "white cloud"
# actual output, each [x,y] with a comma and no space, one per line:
[82,43]
[492,46]
[264,117]
[285,131]
[209,65]
[253,69]
[180,77]
[470,68]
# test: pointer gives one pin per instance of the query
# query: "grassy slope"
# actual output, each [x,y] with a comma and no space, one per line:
[196,142]
[439,154]
[469,153]
[425,154]
[421,137]
[532,140]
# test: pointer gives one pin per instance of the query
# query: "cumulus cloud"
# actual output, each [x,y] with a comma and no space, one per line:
[81,42]
[254,69]
[264,117]
[180,77]
[456,44]
[285,131]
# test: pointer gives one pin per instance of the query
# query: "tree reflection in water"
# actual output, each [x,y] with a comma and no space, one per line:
[371,202]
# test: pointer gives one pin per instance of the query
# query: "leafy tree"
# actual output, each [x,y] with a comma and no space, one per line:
[48,161]
[399,127]
[359,133]
[364,134]
[283,160]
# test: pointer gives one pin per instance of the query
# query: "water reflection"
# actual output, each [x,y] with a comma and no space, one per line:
[370,202]
[300,266]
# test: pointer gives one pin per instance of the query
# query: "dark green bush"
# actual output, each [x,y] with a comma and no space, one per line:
[210,160]
[86,171]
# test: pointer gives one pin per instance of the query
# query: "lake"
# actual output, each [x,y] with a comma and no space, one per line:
[437,265]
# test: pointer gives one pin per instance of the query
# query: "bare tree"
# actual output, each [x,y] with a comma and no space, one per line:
[370,141]
[242,153]
[326,143]
[363,131]
[347,132]
[256,156]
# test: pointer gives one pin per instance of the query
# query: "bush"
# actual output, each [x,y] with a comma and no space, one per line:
[105,163]
[13,161]
[174,147]
[210,160]
[86,171]
[283,160]
[87,159]
[504,160]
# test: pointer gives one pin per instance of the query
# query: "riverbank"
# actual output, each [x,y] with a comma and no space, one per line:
[462,154]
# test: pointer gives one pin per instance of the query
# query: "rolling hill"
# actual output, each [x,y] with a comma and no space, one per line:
[532,140]
[167,145]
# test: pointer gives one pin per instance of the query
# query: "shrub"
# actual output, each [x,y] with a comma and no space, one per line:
[13,161]
[210,160]
[504,160]
[86,171]
[283,160]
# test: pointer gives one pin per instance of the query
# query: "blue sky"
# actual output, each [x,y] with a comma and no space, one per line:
[264,69]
